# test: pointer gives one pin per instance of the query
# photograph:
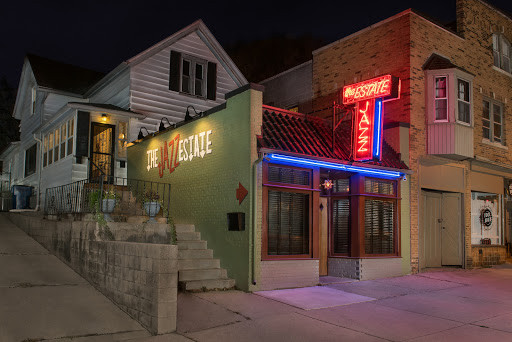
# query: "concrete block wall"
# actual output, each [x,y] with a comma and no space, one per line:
[345,268]
[141,278]
[282,274]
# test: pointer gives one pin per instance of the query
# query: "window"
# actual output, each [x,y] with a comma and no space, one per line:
[288,223]
[486,216]
[71,129]
[50,149]
[288,215]
[375,227]
[501,52]
[463,96]
[122,139]
[56,148]
[492,121]
[45,149]
[63,138]
[33,103]
[192,75]
[441,99]
[30,160]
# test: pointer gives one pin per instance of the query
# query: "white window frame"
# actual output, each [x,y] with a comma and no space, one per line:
[501,52]
[492,135]
[468,102]
[441,98]
[496,231]
[33,101]
[192,77]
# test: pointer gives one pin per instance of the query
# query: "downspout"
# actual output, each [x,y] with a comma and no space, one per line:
[254,212]
[39,170]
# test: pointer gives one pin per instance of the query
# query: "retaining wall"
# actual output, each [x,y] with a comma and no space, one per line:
[141,278]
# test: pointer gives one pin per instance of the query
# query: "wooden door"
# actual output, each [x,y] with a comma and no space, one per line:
[451,230]
[432,228]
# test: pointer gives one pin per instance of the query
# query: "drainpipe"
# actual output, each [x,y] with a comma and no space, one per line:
[254,212]
[39,170]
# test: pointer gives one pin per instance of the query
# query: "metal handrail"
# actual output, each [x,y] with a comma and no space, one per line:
[85,196]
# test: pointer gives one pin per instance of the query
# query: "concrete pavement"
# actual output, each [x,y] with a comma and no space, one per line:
[41,299]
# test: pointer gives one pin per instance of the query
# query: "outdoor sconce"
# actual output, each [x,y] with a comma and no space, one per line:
[188,117]
[140,136]
[162,127]
[104,117]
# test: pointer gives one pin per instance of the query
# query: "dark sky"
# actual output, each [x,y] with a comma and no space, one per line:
[100,34]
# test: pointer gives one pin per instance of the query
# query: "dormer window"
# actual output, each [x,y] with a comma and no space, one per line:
[501,52]
[192,75]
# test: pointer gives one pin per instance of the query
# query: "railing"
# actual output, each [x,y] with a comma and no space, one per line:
[87,196]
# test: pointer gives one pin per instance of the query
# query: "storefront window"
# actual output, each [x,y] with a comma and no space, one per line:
[486,218]
[288,223]
[378,227]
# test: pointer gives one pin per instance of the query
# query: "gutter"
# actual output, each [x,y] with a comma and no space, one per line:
[254,212]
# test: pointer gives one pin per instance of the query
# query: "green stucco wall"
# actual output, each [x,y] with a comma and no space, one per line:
[203,190]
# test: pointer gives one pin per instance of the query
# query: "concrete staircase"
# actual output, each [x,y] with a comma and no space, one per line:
[197,269]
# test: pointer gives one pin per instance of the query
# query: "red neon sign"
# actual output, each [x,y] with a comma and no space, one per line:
[363,130]
[376,87]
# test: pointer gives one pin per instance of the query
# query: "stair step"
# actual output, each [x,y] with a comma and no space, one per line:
[202,274]
[201,244]
[141,219]
[188,236]
[209,284]
[194,264]
[195,253]
[184,228]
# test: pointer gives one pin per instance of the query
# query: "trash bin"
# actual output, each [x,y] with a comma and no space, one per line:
[21,196]
[5,201]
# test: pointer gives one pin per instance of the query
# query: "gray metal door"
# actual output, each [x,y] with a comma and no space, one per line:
[442,229]
[451,230]
[432,228]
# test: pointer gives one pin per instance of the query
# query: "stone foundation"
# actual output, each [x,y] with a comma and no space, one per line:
[485,255]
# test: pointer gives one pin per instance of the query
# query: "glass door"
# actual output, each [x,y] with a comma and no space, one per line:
[102,150]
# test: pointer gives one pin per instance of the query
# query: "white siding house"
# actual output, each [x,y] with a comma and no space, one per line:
[80,121]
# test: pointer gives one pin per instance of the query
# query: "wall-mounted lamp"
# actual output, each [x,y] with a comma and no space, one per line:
[140,136]
[162,127]
[188,117]
[104,117]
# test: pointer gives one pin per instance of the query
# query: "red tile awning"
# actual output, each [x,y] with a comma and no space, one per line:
[310,136]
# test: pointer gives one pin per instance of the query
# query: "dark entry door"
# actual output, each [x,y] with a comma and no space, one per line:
[102,150]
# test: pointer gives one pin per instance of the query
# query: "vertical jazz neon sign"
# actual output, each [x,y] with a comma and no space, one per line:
[368,97]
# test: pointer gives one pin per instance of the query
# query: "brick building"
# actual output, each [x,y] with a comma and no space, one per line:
[449,124]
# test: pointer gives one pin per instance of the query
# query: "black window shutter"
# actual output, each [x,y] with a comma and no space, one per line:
[211,79]
[82,134]
[174,71]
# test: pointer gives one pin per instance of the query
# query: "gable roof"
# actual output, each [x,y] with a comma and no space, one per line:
[60,76]
[437,62]
[312,137]
[207,37]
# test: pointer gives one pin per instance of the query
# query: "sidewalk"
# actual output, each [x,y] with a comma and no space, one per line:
[42,299]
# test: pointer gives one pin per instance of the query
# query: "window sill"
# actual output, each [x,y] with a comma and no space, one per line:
[494,144]
[504,72]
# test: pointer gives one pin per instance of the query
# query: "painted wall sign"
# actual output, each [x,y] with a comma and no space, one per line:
[386,87]
[177,151]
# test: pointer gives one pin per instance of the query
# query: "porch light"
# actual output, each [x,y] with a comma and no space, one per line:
[188,117]
[303,161]
[141,136]
[162,127]
[104,117]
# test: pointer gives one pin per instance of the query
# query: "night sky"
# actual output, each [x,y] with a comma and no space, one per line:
[100,34]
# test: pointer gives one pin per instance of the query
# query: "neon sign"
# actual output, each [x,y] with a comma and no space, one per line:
[384,86]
